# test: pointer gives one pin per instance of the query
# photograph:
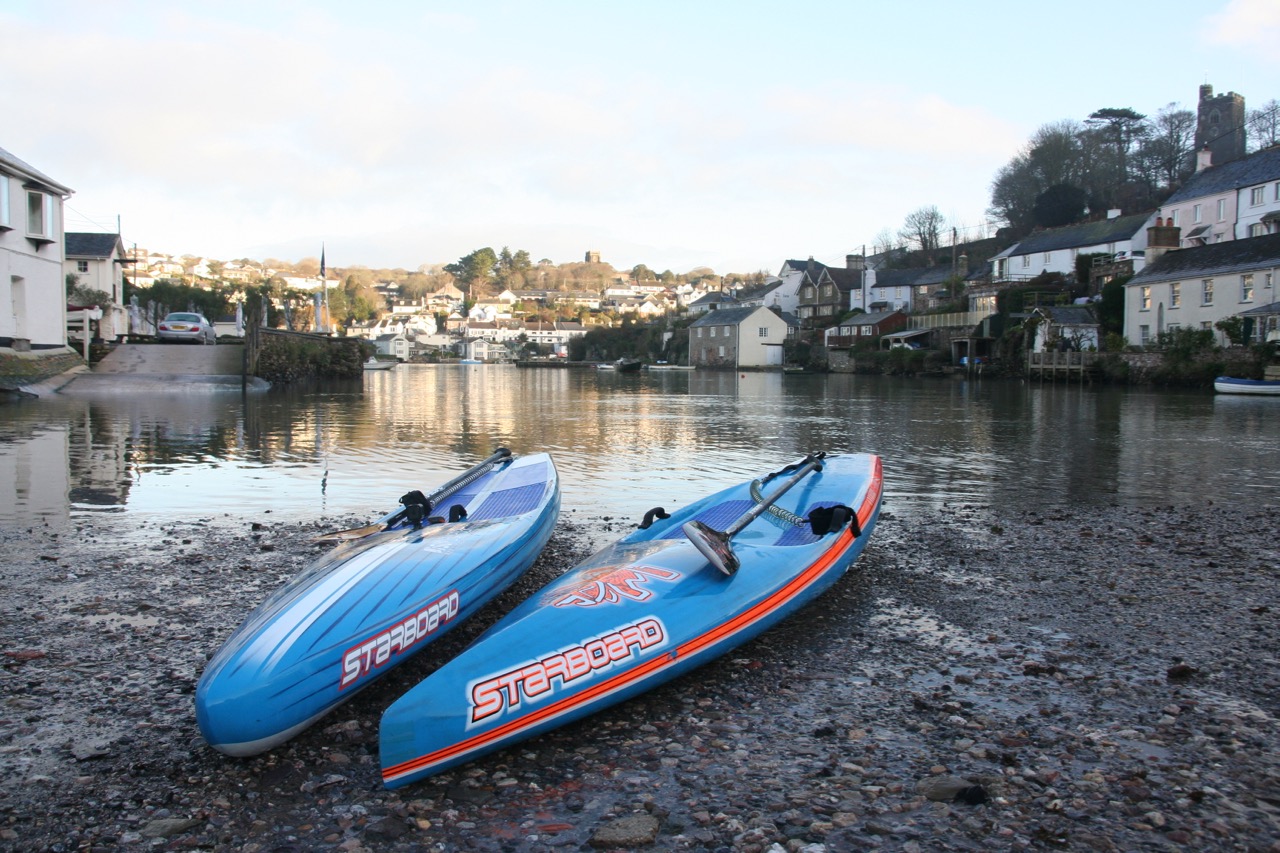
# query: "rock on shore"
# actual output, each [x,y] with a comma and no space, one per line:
[1090,679]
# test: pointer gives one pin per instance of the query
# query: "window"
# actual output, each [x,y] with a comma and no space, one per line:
[1222,209]
[1206,292]
[699,331]
[1257,229]
[1195,213]
[826,291]
[1026,261]
[1266,282]
[82,266]
[1175,295]
[4,200]
[1047,256]
[1144,335]
[721,352]
[1175,217]
[1255,195]
[713,331]
[35,214]
[763,331]
[1277,191]
[1246,287]
[1146,297]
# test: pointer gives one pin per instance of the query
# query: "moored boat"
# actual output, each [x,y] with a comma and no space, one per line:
[657,603]
[1231,385]
[375,364]
[386,592]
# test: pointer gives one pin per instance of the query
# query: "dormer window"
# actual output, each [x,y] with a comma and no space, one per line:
[36,206]
[40,224]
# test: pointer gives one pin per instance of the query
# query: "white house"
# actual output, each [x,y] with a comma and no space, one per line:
[97,262]
[1071,328]
[1055,249]
[394,344]
[1229,202]
[737,337]
[33,299]
[1195,288]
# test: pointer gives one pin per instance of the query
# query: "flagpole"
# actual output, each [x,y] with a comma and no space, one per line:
[324,287]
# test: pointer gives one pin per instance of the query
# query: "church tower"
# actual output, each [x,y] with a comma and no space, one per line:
[1220,125]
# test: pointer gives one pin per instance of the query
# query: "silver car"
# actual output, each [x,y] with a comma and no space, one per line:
[186,326]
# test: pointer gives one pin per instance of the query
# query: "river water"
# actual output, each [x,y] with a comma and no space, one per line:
[624,443]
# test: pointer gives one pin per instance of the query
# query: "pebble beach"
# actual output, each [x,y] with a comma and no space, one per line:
[1079,679]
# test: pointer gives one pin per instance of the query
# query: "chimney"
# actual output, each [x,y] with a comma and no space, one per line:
[1204,159]
[1162,237]
[858,263]
[962,266]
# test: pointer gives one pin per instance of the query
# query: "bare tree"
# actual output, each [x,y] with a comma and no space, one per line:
[923,228]
[1263,125]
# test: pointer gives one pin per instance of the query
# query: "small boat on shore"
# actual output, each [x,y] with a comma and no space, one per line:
[657,603]
[622,365]
[384,593]
[375,364]
[1231,385]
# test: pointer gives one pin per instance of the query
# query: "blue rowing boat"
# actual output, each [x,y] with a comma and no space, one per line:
[386,592]
[655,604]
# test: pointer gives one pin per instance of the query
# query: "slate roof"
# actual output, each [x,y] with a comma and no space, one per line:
[10,163]
[1069,316]
[845,279]
[1251,253]
[913,277]
[1259,167]
[725,317]
[82,245]
[1075,236]
[868,319]
[715,297]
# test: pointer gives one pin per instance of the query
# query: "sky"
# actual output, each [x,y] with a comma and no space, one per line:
[671,133]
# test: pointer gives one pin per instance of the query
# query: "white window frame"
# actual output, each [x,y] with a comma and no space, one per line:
[4,201]
[721,351]
[1175,295]
[1176,217]
[82,266]
[1246,287]
[1196,213]
[763,331]
[1145,295]
[1222,209]
[38,216]
[1256,196]
[1048,256]
[1144,335]
[1026,261]
[713,331]
[1206,291]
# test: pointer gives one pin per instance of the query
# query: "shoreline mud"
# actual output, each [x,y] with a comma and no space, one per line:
[1084,679]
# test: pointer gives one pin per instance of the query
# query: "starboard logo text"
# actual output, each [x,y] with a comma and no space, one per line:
[611,585]
[505,692]
[363,658]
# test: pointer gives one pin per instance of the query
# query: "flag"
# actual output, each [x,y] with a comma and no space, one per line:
[321,260]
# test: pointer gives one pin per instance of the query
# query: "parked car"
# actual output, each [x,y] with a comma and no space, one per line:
[186,326]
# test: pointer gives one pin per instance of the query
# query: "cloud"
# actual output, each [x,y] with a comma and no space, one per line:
[1250,24]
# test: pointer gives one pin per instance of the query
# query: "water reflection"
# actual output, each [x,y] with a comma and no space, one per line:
[625,442]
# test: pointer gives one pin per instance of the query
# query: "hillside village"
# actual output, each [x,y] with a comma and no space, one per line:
[1204,258]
